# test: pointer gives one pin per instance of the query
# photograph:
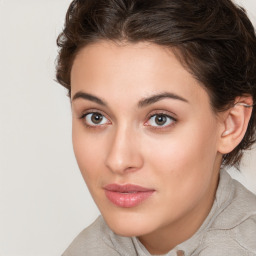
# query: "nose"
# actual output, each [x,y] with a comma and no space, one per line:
[124,155]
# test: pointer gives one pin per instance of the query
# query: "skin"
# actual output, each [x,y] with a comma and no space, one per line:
[180,159]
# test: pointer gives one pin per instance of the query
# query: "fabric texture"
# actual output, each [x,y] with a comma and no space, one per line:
[229,229]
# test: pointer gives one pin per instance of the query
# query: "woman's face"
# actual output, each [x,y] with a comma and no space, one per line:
[145,137]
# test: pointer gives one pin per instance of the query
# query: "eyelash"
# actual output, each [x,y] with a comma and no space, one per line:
[163,114]
[83,116]
[157,113]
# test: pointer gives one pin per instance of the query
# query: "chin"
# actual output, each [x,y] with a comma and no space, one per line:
[127,230]
[128,224]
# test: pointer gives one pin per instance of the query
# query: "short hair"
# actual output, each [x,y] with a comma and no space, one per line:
[213,39]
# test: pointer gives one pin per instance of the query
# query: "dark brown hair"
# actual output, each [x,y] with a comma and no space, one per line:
[213,39]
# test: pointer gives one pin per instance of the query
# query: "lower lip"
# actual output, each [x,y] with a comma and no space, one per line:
[128,200]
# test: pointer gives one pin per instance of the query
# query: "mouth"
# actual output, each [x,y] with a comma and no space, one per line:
[128,195]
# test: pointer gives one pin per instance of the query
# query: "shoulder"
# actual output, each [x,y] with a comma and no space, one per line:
[233,231]
[91,241]
[239,211]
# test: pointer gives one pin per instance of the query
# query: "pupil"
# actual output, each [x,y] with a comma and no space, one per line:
[160,119]
[97,118]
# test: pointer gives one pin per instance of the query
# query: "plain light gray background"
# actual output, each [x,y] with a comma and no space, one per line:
[44,202]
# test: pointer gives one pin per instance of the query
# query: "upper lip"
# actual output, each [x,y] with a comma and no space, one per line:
[126,188]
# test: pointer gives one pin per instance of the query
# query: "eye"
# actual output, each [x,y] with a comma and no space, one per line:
[95,119]
[160,120]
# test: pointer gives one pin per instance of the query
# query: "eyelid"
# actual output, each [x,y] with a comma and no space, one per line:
[94,111]
[155,112]
[164,113]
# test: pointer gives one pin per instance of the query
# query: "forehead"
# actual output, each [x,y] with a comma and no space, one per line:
[118,71]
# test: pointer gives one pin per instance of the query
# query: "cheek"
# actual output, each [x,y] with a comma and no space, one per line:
[88,154]
[183,160]
[181,149]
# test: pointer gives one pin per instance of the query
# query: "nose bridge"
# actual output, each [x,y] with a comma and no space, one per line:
[124,153]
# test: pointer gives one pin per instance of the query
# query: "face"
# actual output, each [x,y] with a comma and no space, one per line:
[144,136]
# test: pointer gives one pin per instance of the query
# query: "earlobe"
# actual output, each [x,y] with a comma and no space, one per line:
[235,124]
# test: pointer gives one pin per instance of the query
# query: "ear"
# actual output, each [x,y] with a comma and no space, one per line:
[234,123]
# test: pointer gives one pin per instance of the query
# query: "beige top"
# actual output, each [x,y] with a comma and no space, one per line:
[229,230]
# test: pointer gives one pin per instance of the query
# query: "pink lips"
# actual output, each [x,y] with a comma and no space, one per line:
[128,195]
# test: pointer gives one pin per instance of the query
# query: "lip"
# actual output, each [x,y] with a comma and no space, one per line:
[128,195]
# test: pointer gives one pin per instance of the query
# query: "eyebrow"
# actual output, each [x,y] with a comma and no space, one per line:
[142,103]
[90,97]
[154,98]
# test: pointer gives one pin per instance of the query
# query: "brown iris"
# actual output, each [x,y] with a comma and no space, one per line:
[96,118]
[160,119]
